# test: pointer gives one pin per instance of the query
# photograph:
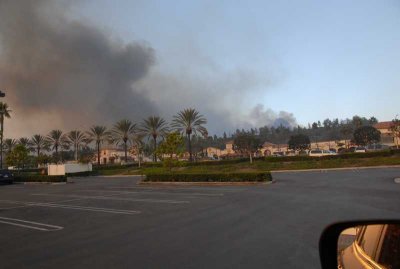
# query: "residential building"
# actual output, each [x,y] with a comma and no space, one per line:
[387,137]
[111,155]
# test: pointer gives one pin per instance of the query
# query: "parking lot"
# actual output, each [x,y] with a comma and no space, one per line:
[103,222]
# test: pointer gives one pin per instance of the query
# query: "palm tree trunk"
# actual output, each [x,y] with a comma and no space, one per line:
[190,149]
[126,154]
[138,154]
[76,152]
[251,157]
[155,148]
[57,157]
[98,153]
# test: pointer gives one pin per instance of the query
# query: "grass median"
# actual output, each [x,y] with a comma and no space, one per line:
[259,165]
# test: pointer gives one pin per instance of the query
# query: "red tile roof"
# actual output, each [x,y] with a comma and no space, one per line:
[383,125]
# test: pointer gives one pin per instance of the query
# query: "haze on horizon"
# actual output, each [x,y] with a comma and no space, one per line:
[253,63]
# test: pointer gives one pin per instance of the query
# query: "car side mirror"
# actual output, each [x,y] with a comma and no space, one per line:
[361,244]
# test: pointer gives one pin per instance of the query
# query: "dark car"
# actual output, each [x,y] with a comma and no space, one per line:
[6,177]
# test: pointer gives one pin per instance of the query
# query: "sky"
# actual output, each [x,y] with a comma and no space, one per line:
[249,63]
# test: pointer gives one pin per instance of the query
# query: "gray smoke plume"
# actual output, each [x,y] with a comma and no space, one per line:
[65,71]
[259,116]
[62,73]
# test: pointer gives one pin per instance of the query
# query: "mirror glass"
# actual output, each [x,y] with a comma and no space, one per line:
[370,246]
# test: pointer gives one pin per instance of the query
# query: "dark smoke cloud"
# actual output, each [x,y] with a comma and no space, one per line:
[71,70]
[62,73]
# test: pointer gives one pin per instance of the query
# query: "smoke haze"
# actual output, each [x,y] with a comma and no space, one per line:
[62,73]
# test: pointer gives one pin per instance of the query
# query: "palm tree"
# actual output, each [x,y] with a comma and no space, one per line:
[56,139]
[98,134]
[9,144]
[77,138]
[122,133]
[40,143]
[154,127]
[24,141]
[188,122]
[4,113]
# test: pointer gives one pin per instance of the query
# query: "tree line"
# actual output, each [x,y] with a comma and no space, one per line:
[125,133]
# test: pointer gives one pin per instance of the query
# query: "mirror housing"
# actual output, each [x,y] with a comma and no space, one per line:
[328,243]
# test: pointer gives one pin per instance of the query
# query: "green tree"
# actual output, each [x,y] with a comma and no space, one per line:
[373,120]
[43,159]
[357,121]
[9,144]
[24,141]
[77,139]
[138,146]
[395,130]
[4,113]
[154,127]
[56,139]
[18,157]
[346,130]
[299,142]
[122,133]
[188,122]
[98,134]
[172,146]
[247,144]
[40,143]
[366,135]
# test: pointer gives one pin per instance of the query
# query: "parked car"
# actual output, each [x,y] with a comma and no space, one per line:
[360,150]
[376,147]
[320,153]
[278,154]
[6,177]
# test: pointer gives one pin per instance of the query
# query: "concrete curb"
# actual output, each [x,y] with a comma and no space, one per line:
[121,176]
[336,169]
[205,183]
[41,183]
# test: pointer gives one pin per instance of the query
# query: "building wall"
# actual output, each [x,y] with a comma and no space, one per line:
[110,156]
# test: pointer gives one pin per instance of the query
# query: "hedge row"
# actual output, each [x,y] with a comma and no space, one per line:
[123,166]
[213,177]
[83,174]
[373,154]
[39,178]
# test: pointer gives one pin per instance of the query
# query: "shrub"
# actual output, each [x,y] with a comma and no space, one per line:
[212,177]
[83,174]
[39,178]
[123,166]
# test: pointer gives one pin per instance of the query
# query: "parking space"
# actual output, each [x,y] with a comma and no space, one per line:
[120,196]
[113,222]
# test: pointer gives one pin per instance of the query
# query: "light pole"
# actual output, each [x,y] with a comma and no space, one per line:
[2,94]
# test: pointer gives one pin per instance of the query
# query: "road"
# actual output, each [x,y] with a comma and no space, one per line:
[113,223]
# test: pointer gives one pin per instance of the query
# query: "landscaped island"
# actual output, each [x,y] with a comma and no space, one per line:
[209,177]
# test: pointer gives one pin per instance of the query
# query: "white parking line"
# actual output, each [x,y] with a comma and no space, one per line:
[84,208]
[158,192]
[217,188]
[24,224]
[114,198]
[5,208]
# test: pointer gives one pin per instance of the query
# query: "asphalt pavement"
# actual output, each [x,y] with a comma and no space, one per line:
[114,223]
